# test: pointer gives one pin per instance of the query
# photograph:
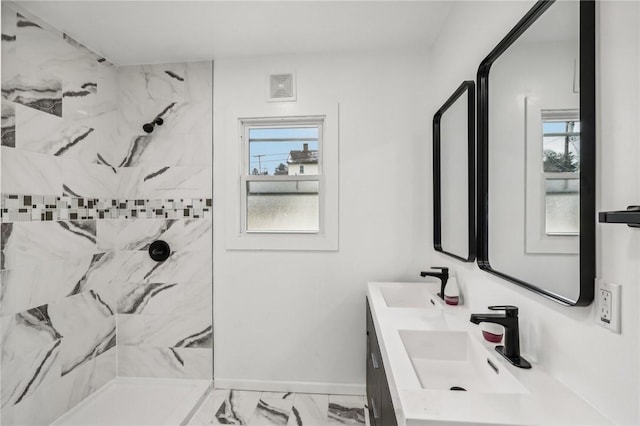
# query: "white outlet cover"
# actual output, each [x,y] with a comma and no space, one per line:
[608,305]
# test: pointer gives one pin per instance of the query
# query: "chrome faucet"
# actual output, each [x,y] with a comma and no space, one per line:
[509,320]
[443,275]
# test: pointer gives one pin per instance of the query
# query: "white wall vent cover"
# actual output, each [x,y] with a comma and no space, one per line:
[282,87]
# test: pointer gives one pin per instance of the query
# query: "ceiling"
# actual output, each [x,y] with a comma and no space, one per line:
[146,32]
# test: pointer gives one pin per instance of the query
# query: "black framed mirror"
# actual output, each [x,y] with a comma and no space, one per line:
[537,154]
[454,175]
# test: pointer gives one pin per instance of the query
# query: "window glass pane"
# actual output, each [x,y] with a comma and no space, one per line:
[283,206]
[283,133]
[561,146]
[562,205]
[282,151]
[553,126]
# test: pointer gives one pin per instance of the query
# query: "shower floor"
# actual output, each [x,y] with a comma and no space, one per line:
[170,402]
[139,402]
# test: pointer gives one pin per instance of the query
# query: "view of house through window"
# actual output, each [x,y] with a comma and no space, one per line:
[281,188]
[561,172]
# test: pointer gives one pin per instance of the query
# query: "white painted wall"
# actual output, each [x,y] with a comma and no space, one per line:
[295,320]
[599,366]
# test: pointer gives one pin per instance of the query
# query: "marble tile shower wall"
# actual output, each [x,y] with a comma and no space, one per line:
[57,317]
[73,269]
[164,310]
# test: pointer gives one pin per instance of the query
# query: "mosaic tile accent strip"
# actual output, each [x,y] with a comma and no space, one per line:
[27,208]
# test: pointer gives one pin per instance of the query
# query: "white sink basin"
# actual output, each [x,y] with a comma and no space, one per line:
[408,296]
[443,360]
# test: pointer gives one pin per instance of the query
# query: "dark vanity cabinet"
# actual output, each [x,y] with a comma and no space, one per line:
[381,412]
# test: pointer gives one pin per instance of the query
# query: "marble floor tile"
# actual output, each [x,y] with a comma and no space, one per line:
[280,408]
[277,395]
[309,410]
[237,408]
[274,411]
[346,410]
[217,406]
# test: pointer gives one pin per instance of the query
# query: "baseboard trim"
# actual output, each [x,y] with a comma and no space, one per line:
[290,386]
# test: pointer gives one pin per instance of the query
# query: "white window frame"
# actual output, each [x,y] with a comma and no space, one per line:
[537,240]
[231,177]
[276,123]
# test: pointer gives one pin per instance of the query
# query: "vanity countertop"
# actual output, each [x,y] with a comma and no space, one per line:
[547,402]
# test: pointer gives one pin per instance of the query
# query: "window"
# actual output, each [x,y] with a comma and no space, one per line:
[282,179]
[552,180]
[265,202]
[561,172]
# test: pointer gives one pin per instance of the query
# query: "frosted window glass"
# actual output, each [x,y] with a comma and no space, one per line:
[289,206]
[562,205]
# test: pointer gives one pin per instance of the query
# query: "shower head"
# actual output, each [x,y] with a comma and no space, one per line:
[148,127]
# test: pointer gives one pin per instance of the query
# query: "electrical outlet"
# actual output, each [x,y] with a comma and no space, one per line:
[608,305]
[605,306]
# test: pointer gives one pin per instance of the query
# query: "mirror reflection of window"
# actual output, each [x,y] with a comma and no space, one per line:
[561,172]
